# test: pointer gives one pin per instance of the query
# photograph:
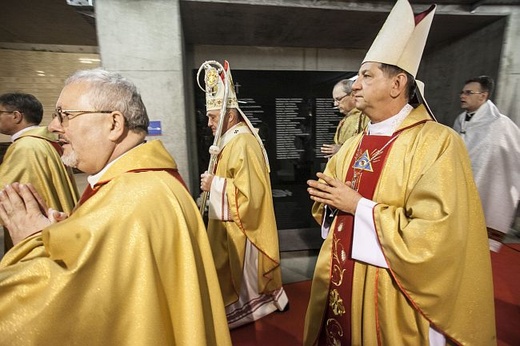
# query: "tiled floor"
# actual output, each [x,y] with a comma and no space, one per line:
[298,265]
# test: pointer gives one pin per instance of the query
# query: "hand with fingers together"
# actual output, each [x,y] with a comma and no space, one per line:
[205,181]
[330,149]
[334,193]
[24,212]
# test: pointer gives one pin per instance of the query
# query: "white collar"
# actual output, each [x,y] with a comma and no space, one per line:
[94,178]
[21,132]
[387,127]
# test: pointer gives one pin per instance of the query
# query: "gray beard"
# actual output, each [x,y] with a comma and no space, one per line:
[70,159]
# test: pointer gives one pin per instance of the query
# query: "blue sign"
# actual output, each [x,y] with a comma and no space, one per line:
[155,128]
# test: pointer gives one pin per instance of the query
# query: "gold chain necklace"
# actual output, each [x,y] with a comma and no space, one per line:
[363,161]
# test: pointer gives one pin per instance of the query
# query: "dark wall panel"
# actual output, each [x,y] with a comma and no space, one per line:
[294,114]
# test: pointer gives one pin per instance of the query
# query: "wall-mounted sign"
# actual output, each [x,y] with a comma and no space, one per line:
[155,128]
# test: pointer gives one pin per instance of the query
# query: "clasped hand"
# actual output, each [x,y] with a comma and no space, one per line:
[329,149]
[334,193]
[205,181]
[24,212]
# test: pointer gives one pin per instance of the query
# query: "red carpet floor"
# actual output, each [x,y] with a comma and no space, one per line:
[286,329]
[278,328]
[506,278]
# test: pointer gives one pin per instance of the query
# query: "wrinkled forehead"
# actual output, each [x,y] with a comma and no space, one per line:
[370,66]
[214,114]
[73,95]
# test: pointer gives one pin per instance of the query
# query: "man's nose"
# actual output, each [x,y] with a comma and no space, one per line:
[356,85]
[54,125]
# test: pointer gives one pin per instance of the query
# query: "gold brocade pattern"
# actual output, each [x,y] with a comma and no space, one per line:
[334,332]
[217,103]
[338,258]
[336,303]
[342,272]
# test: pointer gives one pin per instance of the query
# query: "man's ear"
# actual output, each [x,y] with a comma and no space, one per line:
[118,126]
[17,117]
[232,117]
[399,85]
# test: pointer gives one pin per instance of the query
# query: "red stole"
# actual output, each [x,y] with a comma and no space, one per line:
[367,164]
[58,147]
[89,191]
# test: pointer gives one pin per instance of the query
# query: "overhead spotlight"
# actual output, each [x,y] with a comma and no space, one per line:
[81,3]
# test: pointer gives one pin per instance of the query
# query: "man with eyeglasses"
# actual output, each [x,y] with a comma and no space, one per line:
[34,155]
[493,142]
[132,264]
[353,122]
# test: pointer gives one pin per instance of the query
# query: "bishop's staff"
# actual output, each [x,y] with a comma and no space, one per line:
[213,70]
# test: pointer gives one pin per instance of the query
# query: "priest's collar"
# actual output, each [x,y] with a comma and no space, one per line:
[469,115]
[94,178]
[387,127]
[21,132]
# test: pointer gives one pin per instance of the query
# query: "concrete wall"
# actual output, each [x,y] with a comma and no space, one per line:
[509,86]
[445,69]
[143,40]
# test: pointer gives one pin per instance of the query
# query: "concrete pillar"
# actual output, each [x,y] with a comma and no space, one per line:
[508,87]
[143,40]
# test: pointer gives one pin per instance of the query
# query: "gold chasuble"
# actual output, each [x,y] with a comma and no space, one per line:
[132,265]
[248,191]
[35,157]
[426,225]
[352,124]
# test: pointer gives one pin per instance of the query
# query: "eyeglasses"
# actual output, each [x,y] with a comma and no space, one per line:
[470,92]
[338,99]
[65,115]
[7,112]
